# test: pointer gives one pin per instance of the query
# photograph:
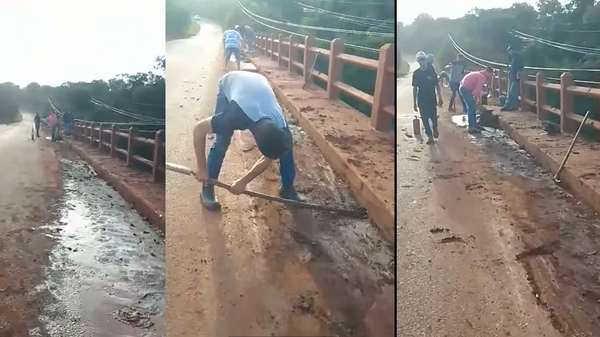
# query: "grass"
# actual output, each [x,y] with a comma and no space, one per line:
[16,118]
[403,70]
[192,29]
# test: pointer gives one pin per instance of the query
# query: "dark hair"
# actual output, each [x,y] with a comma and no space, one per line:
[271,140]
[489,69]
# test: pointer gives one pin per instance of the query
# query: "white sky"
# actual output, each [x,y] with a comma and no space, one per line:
[409,10]
[55,41]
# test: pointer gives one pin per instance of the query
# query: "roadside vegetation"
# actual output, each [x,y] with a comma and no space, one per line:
[142,93]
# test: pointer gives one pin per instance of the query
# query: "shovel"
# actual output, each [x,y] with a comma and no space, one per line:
[360,214]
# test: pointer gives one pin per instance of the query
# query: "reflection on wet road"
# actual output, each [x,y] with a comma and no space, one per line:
[106,274]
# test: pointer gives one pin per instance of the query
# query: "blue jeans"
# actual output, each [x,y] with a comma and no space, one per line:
[467,97]
[250,40]
[219,147]
[235,51]
[513,95]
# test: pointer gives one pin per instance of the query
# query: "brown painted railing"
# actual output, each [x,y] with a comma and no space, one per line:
[105,136]
[569,120]
[381,102]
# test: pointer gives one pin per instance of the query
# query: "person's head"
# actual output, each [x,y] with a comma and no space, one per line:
[430,59]
[422,60]
[271,140]
[488,72]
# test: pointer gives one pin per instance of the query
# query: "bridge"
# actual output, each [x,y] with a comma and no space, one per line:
[279,270]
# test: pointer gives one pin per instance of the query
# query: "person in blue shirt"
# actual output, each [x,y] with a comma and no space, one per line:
[245,101]
[232,40]
[516,67]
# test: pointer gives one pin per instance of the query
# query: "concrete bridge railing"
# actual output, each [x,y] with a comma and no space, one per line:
[566,89]
[382,100]
[106,137]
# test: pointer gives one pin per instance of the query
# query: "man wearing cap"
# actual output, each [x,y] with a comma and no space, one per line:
[425,83]
[514,80]
[245,101]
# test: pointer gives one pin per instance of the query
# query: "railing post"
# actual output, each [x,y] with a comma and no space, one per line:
[500,86]
[494,84]
[540,95]
[85,127]
[522,89]
[113,132]
[292,54]
[156,161]
[279,49]
[92,134]
[130,144]
[272,46]
[309,54]
[384,88]
[566,101]
[335,68]
[100,136]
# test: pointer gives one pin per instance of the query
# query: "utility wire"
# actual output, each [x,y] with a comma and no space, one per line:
[318,28]
[358,18]
[501,65]
[564,46]
[127,113]
[360,3]
[358,47]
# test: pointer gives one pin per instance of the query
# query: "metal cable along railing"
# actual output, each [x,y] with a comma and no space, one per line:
[125,140]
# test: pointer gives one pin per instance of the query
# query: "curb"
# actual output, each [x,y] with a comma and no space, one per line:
[363,191]
[143,206]
[570,180]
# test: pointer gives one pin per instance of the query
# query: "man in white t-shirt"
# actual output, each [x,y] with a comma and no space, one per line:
[245,101]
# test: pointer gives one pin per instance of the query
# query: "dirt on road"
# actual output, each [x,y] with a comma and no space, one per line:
[499,249]
[277,271]
[75,258]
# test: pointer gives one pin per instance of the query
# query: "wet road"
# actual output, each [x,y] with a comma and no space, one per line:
[276,272]
[106,271]
[75,259]
[457,272]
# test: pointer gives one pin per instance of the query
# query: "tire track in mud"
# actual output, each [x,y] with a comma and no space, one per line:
[106,271]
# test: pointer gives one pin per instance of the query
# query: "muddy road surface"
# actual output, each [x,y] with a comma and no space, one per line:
[258,268]
[487,244]
[76,260]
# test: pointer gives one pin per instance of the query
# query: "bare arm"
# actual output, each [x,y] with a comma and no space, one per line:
[415,91]
[201,129]
[259,167]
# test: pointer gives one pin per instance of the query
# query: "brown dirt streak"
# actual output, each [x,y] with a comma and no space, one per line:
[373,188]
[24,249]
[143,194]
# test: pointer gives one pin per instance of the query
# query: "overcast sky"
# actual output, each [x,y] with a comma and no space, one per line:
[409,10]
[51,42]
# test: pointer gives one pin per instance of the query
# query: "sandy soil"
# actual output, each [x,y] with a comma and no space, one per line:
[278,272]
[469,256]
[30,182]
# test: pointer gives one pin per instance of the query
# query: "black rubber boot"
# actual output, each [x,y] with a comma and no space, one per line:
[289,192]
[208,198]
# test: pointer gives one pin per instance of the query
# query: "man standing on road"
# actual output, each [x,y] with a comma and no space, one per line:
[245,101]
[457,72]
[232,40]
[53,124]
[470,89]
[425,83]
[37,122]
[514,79]
[248,35]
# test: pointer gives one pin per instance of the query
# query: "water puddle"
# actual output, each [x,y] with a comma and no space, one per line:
[106,273]
[509,157]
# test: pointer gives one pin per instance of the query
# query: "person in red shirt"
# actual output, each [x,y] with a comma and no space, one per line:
[471,88]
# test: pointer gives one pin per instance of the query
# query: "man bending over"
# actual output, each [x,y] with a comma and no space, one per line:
[245,101]
[232,40]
